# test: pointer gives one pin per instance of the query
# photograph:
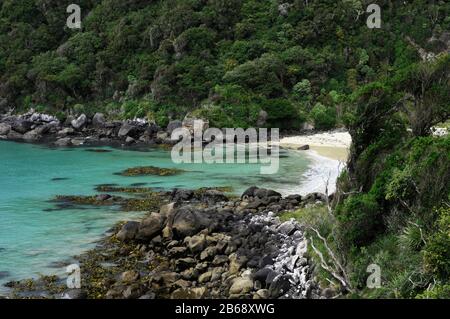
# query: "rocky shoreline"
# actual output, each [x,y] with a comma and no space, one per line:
[35,127]
[196,244]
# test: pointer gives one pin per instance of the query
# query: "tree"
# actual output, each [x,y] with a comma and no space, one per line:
[426,89]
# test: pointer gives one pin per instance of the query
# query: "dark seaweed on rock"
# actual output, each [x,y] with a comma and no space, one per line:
[150,170]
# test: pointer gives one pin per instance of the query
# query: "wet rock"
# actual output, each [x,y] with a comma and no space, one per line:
[66,131]
[187,222]
[63,142]
[236,263]
[128,231]
[287,228]
[208,253]
[103,197]
[129,276]
[31,136]
[262,294]
[280,286]
[129,140]
[185,263]
[241,286]
[205,277]
[78,141]
[132,292]
[80,122]
[303,148]
[262,274]
[249,192]
[148,296]
[4,128]
[176,252]
[127,130]
[173,125]
[220,260]
[190,293]
[150,227]
[166,277]
[21,126]
[74,294]
[98,120]
[196,243]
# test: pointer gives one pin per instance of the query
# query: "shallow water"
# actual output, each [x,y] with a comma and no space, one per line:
[35,238]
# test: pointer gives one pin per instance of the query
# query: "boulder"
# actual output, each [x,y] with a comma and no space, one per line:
[129,140]
[205,277]
[62,142]
[98,120]
[4,128]
[31,136]
[249,192]
[287,228]
[129,276]
[262,294]
[187,222]
[189,293]
[303,148]
[128,231]
[197,243]
[185,263]
[150,227]
[74,294]
[236,263]
[127,129]
[241,286]
[22,126]
[173,125]
[280,286]
[66,131]
[80,122]
[77,141]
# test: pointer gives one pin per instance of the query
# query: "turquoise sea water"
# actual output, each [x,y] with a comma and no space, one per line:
[34,237]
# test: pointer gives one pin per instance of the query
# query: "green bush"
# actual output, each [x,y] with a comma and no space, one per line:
[359,220]
[324,117]
[436,253]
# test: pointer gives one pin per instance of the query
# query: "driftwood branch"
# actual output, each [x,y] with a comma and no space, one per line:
[341,278]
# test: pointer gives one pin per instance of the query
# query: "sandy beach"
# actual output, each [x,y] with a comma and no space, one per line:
[328,151]
[334,144]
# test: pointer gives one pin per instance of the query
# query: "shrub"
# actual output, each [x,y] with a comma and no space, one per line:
[359,220]
[324,117]
[436,253]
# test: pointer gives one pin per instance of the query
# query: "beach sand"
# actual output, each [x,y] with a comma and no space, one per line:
[328,152]
[334,144]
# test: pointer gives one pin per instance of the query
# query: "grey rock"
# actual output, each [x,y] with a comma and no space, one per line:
[127,130]
[150,227]
[173,125]
[31,136]
[249,192]
[22,126]
[98,120]
[80,122]
[280,286]
[4,128]
[128,231]
[241,286]
[74,294]
[303,148]
[62,142]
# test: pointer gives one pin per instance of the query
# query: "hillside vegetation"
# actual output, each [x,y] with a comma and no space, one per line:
[242,63]
[224,59]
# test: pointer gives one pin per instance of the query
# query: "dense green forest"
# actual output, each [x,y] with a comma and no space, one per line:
[226,60]
[239,62]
